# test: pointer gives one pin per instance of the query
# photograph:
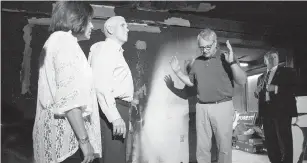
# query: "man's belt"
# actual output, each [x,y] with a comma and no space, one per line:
[122,102]
[216,102]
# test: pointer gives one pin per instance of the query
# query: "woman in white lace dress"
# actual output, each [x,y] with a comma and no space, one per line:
[67,127]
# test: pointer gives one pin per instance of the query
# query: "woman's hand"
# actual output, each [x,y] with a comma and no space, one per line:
[87,150]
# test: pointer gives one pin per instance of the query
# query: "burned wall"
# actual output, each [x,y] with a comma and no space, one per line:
[154,37]
[24,30]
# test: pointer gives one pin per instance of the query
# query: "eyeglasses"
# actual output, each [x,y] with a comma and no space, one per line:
[207,47]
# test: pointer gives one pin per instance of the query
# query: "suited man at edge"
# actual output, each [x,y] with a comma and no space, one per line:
[277,105]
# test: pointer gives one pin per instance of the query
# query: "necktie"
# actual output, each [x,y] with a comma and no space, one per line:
[266,80]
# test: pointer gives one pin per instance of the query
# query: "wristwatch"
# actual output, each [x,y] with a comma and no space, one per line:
[233,62]
[84,140]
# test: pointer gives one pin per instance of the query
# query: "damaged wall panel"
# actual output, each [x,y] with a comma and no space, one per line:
[147,23]
[160,18]
[143,52]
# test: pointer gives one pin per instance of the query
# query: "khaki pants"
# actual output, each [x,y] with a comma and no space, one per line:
[216,118]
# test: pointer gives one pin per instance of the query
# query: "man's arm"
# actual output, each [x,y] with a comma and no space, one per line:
[103,81]
[183,77]
[239,76]
[182,93]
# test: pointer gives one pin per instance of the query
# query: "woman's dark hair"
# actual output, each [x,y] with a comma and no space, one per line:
[71,15]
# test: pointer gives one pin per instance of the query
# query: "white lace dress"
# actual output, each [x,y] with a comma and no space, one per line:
[65,82]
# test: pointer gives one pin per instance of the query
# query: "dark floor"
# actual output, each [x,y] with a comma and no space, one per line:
[16,146]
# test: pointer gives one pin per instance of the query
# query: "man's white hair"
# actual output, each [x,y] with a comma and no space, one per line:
[207,34]
[112,22]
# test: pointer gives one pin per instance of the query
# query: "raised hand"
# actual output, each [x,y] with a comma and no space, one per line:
[175,64]
[168,81]
[271,88]
[229,55]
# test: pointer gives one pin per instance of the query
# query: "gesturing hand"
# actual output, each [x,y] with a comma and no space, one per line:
[270,88]
[229,55]
[168,81]
[119,127]
[175,64]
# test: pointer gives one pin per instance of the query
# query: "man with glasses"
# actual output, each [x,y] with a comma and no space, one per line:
[213,73]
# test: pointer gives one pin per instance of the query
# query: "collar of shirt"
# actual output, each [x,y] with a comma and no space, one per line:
[217,54]
[272,69]
[114,45]
[203,57]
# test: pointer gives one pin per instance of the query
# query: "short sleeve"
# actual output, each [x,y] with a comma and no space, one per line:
[72,87]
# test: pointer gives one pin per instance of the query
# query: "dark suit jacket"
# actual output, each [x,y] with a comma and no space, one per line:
[283,103]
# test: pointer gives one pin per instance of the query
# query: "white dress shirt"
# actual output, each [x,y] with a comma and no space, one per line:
[112,76]
[273,70]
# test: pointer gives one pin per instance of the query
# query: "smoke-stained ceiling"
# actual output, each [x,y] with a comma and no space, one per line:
[283,19]
[248,11]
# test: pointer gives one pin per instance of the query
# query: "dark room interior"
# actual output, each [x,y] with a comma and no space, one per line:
[166,28]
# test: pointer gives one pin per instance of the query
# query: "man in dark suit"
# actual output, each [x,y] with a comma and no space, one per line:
[277,106]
